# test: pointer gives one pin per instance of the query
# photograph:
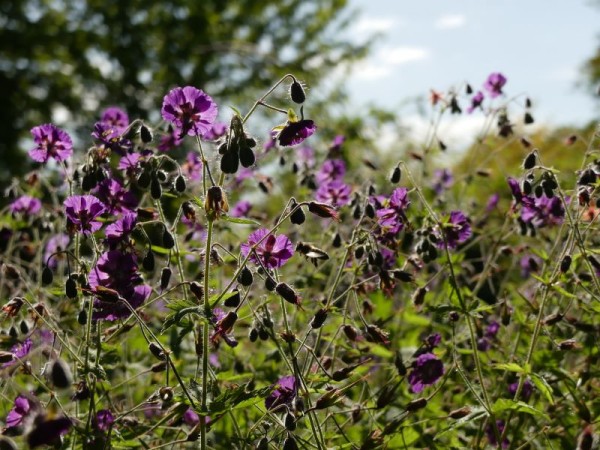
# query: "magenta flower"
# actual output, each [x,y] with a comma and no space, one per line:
[111,136]
[456,229]
[55,243]
[217,130]
[274,251]
[296,132]
[427,369]
[392,213]
[336,193]
[542,211]
[81,210]
[116,275]
[305,156]
[331,170]
[20,351]
[284,393]
[115,117]
[22,407]
[170,140]
[26,205]
[494,84]
[476,102]
[114,197]
[52,142]
[241,209]
[336,145]
[192,167]
[526,391]
[104,420]
[190,110]
[120,230]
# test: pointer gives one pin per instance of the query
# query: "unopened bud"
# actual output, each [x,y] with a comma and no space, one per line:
[145,134]
[297,92]
[233,301]
[297,217]
[71,287]
[245,278]
[168,239]
[460,413]
[530,160]
[165,277]
[157,351]
[197,290]
[396,175]
[417,404]
[148,261]
[155,188]
[60,374]
[180,184]
[47,275]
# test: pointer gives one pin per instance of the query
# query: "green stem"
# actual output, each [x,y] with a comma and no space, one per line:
[207,312]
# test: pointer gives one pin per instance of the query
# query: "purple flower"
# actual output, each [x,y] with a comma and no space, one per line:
[111,137]
[529,263]
[492,329]
[284,393]
[52,142]
[217,130]
[494,84]
[273,251]
[443,180]
[47,431]
[115,279]
[542,211]
[120,230]
[305,156]
[526,391]
[22,407]
[114,197]
[483,344]
[190,110]
[456,229]
[241,209]
[115,117]
[391,214]
[56,243]
[336,193]
[331,170]
[515,188]
[170,140]
[476,102]
[192,167]
[433,340]
[26,205]
[427,369]
[296,132]
[104,420]
[191,418]
[81,210]
[131,164]
[489,432]
[336,145]
[492,203]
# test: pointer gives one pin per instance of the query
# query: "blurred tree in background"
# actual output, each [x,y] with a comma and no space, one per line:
[79,56]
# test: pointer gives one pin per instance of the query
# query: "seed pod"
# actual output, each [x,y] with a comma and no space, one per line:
[289,422]
[297,92]
[396,175]
[234,300]
[60,374]
[197,289]
[180,184]
[245,278]
[71,287]
[350,332]
[530,160]
[47,275]
[287,293]
[247,157]
[165,277]
[157,351]
[168,239]
[145,134]
[297,217]
[159,367]
[148,261]
[319,319]
[155,189]
[417,404]
[460,413]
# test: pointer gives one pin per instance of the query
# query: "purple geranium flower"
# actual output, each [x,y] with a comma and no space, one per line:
[190,110]
[331,170]
[111,137]
[442,180]
[192,167]
[494,84]
[305,156]
[241,209]
[114,197]
[476,102]
[456,229]
[542,211]
[529,264]
[131,163]
[296,132]
[81,210]
[52,142]
[336,145]
[120,230]
[104,420]
[515,189]
[336,193]
[217,130]
[116,118]
[170,140]
[273,251]
[19,351]
[427,369]
[56,243]
[116,275]
[22,408]
[284,393]
[526,391]
[26,205]
[391,214]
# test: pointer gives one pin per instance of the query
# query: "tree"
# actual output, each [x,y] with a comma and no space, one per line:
[86,55]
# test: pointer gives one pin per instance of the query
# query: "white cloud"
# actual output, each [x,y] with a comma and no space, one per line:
[401,55]
[372,71]
[368,25]
[450,21]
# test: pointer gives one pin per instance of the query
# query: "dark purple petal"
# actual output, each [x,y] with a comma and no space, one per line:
[296,132]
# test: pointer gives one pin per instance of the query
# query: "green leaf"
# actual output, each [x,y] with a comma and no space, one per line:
[504,404]
[180,308]
[511,367]
[476,413]
[236,398]
[561,291]
[543,387]
[239,220]
[198,202]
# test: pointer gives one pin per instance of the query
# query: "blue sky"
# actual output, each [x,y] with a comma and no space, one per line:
[539,45]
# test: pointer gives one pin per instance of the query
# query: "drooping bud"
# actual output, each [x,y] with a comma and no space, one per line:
[60,374]
[245,278]
[337,241]
[180,184]
[216,202]
[247,157]
[47,275]
[530,160]
[24,327]
[148,261]
[143,181]
[230,162]
[319,319]
[263,444]
[71,287]
[165,277]
[287,293]
[290,443]
[297,217]
[197,290]
[289,422]
[324,210]
[396,175]
[168,239]
[460,413]
[370,211]
[528,119]
[297,92]
[145,134]
[155,188]
[156,351]
[565,264]
[350,332]
[270,283]
[82,317]
[417,404]
[233,301]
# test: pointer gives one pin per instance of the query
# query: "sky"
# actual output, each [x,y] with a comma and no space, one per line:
[539,45]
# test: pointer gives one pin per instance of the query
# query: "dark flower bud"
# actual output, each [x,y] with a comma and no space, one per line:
[370,211]
[82,392]
[234,300]
[468,89]
[253,335]
[82,317]
[245,278]
[88,182]
[263,334]
[528,119]
[350,332]
[145,134]
[552,319]
[376,334]
[6,357]
[399,363]
[587,177]
[396,175]
[297,92]
[287,293]
[247,157]
[230,162]
[180,184]
[454,107]
[527,188]
[403,275]
[71,287]
[568,344]
[299,404]
[442,145]
[188,211]
[281,161]
[417,404]
[101,174]
[586,438]
[143,181]
[297,217]
[548,189]
[7,444]
[168,239]
[337,241]
[594,262]
[148,261]
[387,394]
[24,327]
[250,141]
[319,319]
[565,264]
[47,275]
[323,210]
[270,283]
[197,290]
[356,212]
[161,175]
[60,374]
[13,333]
[583,196]
[530,160]
[156,351]
[165,277]
[460,413]
[159,367]
[453,316]
[359,252]
[263,444]
[290,444]
[538,191]
[155,189]
[289,422]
